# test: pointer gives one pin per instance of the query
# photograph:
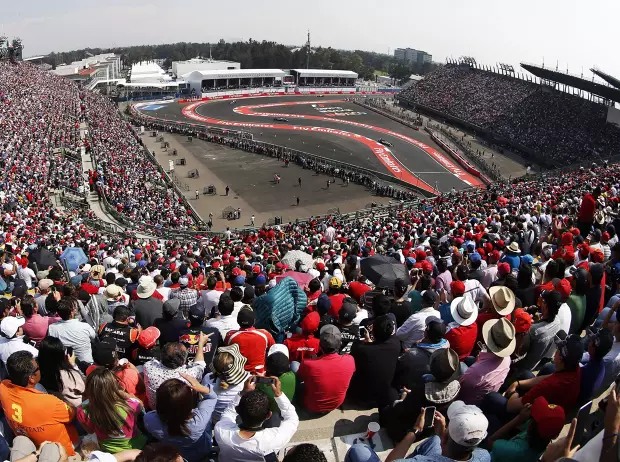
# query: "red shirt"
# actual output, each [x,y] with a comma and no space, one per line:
[462,339]
[587,209]
[302,346]
[560,388]
[336,304]
[357,289]
[326,381]
[253,344]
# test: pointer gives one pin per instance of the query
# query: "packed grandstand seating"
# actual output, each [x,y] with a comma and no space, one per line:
[152,347]
[560,127]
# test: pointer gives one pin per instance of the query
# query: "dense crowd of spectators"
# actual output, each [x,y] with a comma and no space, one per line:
[495,307]
[559,126]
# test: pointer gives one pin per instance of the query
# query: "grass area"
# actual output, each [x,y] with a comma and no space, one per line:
[381,73]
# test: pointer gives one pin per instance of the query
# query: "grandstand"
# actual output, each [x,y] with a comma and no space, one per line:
[553,234]
[553,118]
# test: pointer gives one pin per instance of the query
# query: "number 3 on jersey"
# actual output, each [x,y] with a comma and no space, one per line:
[17,413]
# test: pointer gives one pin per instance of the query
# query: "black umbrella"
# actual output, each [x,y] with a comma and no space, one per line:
[43,258]
[383,271]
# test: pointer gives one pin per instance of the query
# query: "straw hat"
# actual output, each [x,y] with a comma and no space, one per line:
[499,336]
[146,288]
[514,247]
[112,292]
[503,300]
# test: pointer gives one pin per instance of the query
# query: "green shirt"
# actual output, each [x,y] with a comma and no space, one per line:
[287,385]
[515,450]
[577,305]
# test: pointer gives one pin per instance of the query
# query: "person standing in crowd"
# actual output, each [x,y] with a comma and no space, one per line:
[73,333]
[146,306]
[187,295]
[125,335]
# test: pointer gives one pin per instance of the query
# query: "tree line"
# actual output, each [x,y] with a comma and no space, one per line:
[258,55]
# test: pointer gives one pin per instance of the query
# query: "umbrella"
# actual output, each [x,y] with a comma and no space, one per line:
[302,279]
[43,258]
[73,257]
[383,271]
[291,258]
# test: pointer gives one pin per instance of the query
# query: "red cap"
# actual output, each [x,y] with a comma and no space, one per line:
[549,418]
[564,288]
[236,271]
[311,322]
[605,237]
[584,250]
[256,269]
[494,256]
[427,267]
[242,257]
[320,266]
[567,238]
[500,244]
[279,265]
[597,256]
[457,288]
[148,337]
[503,269]
[215,264]
[569,257]
[522,320]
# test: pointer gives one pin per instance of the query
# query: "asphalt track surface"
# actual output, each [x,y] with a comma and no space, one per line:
[319,126]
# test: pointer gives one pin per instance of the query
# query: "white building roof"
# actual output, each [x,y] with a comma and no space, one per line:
[326,73]
[233,74]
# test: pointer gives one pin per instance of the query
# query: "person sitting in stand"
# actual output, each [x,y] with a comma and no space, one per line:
[253,343]
[304,345]
[190,336]
[462,333]
[544,423]
[120,329]
[147,347]
[171,323]
[413,328]
[248,440]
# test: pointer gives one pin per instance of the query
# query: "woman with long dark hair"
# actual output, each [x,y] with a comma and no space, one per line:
[183,417]
[59,374]
[111,413]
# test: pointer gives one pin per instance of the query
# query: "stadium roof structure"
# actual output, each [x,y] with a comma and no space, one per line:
[612,94]
[234,74]
[325,73]
[611,80]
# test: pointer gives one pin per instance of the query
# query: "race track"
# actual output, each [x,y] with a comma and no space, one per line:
[333,128]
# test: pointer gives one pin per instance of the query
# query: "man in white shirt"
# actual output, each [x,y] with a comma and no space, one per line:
[13,338]
[249,441]
[163,291]
[72,332]
[226,321]
[413,328]
[210,297]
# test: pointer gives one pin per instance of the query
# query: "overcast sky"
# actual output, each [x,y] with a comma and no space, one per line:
[577,33]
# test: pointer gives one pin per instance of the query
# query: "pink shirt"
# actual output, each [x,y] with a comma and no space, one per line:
[484,376]
[36,327]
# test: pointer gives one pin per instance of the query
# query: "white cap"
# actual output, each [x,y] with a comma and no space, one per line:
[10,325]
[468,425]
[278,348]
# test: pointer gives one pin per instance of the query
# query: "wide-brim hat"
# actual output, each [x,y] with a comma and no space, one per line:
[503,300]
[146,288]
[514,247]
[464,310]
[500,337]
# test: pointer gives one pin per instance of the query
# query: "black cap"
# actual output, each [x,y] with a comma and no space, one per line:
[347,313]
[104,352]
[429,297]
[603,341]
[570,348]
[246,317]
[435,328]
[196,313]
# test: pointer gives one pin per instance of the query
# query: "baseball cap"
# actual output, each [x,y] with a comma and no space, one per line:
[104,352]
[603,341]
[330,338]
[196,313]
[436,328]
[570,347]
[320,266]
[311,322]
[503,269]
[429,297]
[171,306]
[278,348]
[335,283]
[148,337]
[10,325]
[475,257]
[45,284]
[183,282]
[468,425]
[457,288]
[246,316]
[549,418]
[347,313]
[522,320]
